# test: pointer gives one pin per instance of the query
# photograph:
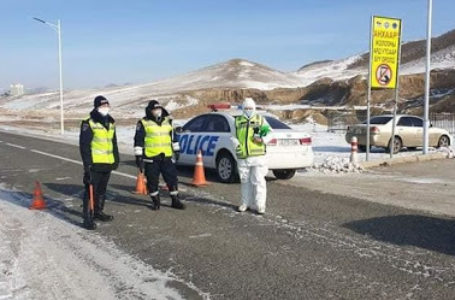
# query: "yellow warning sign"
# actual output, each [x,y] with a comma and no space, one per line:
[385,45]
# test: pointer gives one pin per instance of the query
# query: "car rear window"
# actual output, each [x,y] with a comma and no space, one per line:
[276,124]
[379,120]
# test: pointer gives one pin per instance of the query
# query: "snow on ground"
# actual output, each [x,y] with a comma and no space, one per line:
[125,101]
[45,256]
[172,105]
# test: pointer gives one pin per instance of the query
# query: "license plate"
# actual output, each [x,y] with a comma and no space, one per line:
[292,142]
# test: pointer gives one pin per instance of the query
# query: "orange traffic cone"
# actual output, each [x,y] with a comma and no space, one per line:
[199,174]
[141,187]
[38,201]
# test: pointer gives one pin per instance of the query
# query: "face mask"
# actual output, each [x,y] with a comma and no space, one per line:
[157,113]
[248,112]
[104,111]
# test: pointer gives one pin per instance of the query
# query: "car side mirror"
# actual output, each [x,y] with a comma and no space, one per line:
[179,130]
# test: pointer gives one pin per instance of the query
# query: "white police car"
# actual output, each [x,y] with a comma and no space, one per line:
[212,133]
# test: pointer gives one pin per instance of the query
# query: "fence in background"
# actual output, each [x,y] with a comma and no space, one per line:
[338,121]
[443,120]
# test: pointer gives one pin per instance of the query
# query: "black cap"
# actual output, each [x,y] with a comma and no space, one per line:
[99,101]
[153,104]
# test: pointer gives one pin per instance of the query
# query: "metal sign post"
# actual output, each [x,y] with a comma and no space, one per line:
[385,51]
[369,90]
[397,94]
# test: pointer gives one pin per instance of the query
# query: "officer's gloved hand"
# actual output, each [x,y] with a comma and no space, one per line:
[235,142]
[256,136]
[87,174]
[115,165]
[140,162]
[176,155]
[175,146]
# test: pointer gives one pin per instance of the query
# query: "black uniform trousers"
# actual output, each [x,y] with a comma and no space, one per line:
[99,180]
[166,167]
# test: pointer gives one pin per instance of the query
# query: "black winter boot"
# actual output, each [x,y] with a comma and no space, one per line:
[103,217]
[89,224]
[176,202]
[99,207]
[156,202]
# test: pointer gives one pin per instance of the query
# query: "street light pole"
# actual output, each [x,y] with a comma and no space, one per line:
[57,28]
[62,123]
[426,104]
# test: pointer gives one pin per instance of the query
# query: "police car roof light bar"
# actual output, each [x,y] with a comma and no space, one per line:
[226,106]
[218,106]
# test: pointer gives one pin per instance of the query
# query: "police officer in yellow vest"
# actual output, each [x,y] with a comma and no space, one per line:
[154,147]
[252,135]
[99,152]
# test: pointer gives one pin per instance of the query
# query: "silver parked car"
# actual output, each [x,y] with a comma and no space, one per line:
[408,133]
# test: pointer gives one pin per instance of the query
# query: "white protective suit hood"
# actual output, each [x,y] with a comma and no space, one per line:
[249,107]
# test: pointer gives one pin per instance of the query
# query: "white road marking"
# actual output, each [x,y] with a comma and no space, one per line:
[78,162]
[57,156]
[124,175]
[16,146]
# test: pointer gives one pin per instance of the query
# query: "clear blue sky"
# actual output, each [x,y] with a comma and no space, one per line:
[136,41]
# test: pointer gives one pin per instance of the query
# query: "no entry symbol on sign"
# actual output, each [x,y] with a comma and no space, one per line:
[383,74]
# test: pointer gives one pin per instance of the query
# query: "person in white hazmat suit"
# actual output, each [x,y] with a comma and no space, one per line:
[252,135]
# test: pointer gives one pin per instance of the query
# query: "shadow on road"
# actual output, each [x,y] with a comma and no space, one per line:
[435,234]
[73,190]
[55,207]
[77,191]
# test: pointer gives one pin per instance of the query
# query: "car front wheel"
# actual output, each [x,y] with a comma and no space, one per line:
[284,174]
[444,141]
[226,168]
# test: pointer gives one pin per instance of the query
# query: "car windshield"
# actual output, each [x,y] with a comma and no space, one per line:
[276,124]
[379,120]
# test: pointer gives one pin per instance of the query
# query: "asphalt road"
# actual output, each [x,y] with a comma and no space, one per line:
[425,186]
[309,244]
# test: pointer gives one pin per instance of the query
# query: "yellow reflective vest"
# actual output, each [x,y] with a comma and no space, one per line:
[102,146]
[157,138]
[245,129]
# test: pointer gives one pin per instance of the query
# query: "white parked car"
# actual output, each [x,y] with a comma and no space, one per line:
[212,133]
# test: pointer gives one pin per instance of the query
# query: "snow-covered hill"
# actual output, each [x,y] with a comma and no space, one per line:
[413,61]
[335,70]
[237,75]
[442,59]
